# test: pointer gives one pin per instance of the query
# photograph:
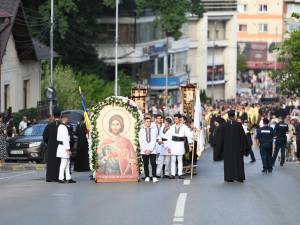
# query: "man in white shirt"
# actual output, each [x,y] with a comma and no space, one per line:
[147,140]
[23,124]
[64,151]
[164,157]
[178,133]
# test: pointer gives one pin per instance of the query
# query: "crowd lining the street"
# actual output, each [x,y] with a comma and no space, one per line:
[167,142]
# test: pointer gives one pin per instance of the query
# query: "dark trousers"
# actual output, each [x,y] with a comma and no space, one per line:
[252,155]
[152,159]
[279,145]
[266,157]
[298,149]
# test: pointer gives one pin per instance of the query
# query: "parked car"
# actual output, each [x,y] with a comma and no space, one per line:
[29,145]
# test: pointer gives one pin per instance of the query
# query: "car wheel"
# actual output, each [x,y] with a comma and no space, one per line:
[43,160]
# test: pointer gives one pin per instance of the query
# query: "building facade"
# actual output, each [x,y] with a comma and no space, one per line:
[145,52]
[20,63]
[212,52]
[260,28]
[290,24]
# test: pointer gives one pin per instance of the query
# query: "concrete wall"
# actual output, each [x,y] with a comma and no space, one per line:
[200,53]
[230,59]
[13,73]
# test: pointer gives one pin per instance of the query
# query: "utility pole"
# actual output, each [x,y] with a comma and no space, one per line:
[213,65]
[51,54]
[167,74]
[116,47]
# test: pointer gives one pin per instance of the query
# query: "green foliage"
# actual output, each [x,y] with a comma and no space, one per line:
[289,77]
[203,97]
[94,89]
[76,30]
[125,83]
[65,84]
[241,64]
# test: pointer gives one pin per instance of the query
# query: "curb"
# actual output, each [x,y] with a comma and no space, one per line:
[22,167]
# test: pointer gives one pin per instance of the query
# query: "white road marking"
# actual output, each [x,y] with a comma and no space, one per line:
[186,182]
[18,175]
[179,211]
[179,219]
[61,195]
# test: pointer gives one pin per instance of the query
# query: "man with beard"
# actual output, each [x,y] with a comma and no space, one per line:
[50,138]
[232,143]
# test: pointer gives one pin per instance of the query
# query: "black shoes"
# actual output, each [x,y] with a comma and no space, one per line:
[67,181]
[181,177]
[171,177]
[71,181]
[253,161]
[229,181]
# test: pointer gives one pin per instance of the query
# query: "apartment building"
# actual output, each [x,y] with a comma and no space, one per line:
[260,27]
[144,51]
[213,48]
[290,24]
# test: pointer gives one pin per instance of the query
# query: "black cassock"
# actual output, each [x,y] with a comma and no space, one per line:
[53,163]
[82,154]
[232,145]
[215,136]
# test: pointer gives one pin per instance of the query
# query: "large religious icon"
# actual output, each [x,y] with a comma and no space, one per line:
[116,154]
[117,158]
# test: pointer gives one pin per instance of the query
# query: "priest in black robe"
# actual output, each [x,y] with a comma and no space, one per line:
[232,145]
[50,138]
[82,153]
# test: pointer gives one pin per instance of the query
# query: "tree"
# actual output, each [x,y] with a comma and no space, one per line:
[241,64]
[76,30]
[65,84]
[289,77]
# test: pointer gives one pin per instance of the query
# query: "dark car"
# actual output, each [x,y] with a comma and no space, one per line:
[29,145]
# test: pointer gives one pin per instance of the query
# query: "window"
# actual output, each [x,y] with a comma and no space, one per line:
[6,96]
[263,8]
[160,65]
[26,90]
[180,62]
[293,8]
[263,28]
[242,8]
[243,27]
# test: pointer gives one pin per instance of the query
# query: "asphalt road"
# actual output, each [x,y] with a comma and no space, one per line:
[25,199]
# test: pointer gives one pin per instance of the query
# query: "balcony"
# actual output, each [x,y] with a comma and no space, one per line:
[220,5]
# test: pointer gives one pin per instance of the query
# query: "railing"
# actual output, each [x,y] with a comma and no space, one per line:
[220,5]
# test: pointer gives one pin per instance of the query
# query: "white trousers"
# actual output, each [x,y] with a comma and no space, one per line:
[161,160]
[173,164]
[64,168]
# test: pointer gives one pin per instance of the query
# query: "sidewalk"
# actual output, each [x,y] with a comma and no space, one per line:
[22,167]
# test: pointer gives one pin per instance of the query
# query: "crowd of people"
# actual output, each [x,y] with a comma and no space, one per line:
[167,143]
[272,127]
[60,146]
[231,127]
[9,130]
